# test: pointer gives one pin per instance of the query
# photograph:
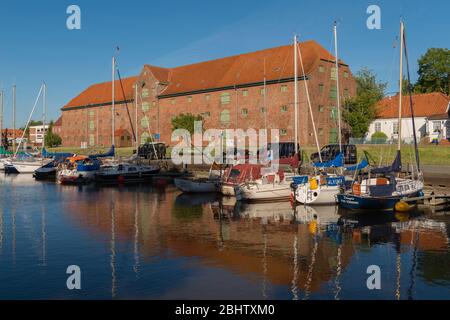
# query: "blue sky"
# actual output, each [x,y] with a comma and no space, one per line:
[35,44]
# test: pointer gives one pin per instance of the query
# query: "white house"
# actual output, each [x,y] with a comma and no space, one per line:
[431,118]
[37,133]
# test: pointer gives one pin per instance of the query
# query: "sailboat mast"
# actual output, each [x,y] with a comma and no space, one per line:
[1,118]
[14,116]
[113,107]
[264,97]
[400,89]
[338,96]
[44,110]
[295,95]
[136,114]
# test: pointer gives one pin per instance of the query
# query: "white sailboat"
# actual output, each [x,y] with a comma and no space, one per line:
[28,165]
[271,186]
[323,189]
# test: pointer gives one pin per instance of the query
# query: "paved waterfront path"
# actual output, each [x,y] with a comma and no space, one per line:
[437,175]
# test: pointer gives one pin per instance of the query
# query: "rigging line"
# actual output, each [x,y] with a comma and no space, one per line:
[148,128]
[29,120]
[309,103]
[411,104]
[126,105]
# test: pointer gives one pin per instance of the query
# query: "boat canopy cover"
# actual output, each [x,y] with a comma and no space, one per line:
[76,158]
[300,180]
[47,154]
[110,153]
[395,167]
[337,162]
[243,172]
[4,152]
[360,166]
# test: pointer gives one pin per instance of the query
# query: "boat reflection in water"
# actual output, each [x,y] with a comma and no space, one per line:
[144,242]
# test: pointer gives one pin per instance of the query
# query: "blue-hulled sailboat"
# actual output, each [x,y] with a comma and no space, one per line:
[382,189]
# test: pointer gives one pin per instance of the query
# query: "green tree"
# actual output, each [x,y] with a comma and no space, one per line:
[434,71]
[360,111]
[52,139]
[185,121]
[379,137]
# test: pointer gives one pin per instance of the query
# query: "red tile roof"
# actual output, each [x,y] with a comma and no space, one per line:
[161,74]
[244,68]
[102,93]
[425,105]
[18,134]
[274,63]
[58,122]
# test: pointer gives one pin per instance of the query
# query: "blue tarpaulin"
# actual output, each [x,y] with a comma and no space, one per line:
[362,165]
[337,162]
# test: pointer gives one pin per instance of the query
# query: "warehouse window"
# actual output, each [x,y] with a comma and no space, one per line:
[207,97]
[145,137]
[145,93]
[333,73]
[345,74]
[263,91]
[284,108]
[172,101]
[245,112]
[263,110]
[321,108]
[333,93]
[333,113]
[320,131]
[91,125]
[91,140]
[346,93]
[333,138]
[189,99]
[225,98]
[145,106]
[283,132]
[145,122]
[284,88]
[321,68]
[225,117]
[154,103]
[245,93]
[321,88]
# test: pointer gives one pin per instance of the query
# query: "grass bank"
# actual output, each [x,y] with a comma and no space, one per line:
[429,155]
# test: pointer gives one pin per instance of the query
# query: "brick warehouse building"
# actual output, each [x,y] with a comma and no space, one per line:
[227,92]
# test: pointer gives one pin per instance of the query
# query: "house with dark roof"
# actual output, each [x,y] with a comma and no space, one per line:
[431,118]
[247,91]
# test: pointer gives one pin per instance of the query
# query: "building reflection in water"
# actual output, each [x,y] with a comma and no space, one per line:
[305,249]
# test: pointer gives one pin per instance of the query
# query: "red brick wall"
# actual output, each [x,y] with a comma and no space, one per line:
[76,123]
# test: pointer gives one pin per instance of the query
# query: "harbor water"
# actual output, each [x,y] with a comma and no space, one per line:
[144,242]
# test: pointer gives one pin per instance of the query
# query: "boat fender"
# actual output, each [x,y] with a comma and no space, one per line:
[402,206]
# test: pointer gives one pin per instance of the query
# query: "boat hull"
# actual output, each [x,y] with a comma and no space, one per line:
[262,193]
[45,174]
[21,168]
[353,202]
[192,186]
[323,195]
[126,178]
